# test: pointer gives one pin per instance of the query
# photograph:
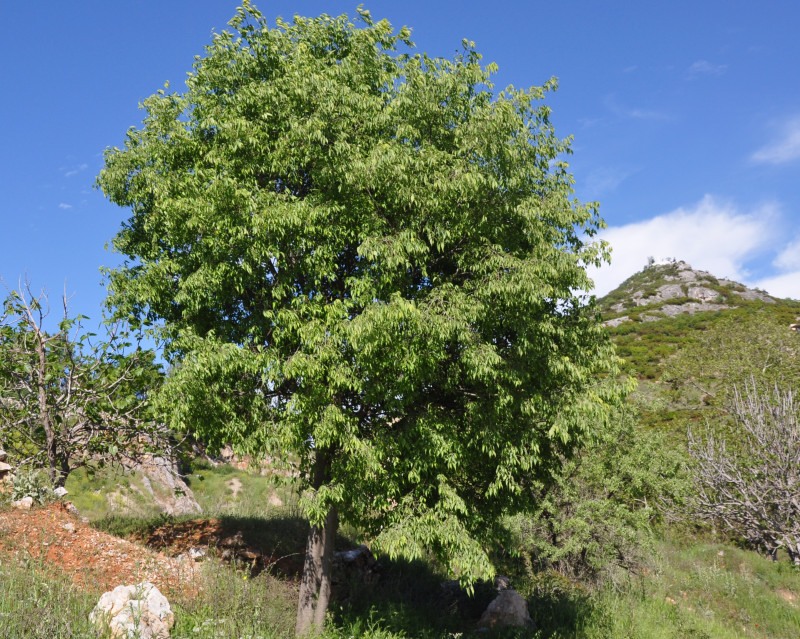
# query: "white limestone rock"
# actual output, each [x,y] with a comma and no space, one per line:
[139,611]
[26,503]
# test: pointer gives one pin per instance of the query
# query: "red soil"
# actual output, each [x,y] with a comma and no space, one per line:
[93,559]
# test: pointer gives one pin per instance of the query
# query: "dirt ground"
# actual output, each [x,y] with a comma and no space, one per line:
[169,555]
[93,559]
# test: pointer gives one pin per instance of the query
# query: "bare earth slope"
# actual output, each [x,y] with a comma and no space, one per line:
[93,559]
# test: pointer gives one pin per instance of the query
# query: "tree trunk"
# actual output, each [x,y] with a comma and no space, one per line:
[44,410]
[316,583]
[315,587]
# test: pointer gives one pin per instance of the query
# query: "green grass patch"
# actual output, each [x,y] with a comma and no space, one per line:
[36,603]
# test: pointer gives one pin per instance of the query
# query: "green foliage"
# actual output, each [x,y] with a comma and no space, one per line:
[32,482]
[738,347]
[365,261]
[600,512]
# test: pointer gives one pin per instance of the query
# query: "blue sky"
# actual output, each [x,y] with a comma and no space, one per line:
[685,117]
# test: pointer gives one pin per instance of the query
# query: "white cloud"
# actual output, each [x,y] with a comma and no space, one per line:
[784,285]
[704,67]
[75,170]
[783,150]
[789,258]
[64,206]
[634,113]
[711,235]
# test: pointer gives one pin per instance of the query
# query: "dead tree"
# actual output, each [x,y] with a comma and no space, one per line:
[67,398]
[749,484]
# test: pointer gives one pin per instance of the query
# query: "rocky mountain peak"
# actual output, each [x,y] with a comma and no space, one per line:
[672,287]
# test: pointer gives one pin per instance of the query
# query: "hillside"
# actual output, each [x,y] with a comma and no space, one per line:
[665,308]
[673,288]
[689,337]
[608,553]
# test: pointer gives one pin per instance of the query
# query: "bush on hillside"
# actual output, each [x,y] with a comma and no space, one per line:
[599,514]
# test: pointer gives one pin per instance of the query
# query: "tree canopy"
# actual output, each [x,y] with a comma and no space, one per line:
[366,260]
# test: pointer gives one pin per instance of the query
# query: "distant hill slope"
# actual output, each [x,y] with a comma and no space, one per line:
[680,330]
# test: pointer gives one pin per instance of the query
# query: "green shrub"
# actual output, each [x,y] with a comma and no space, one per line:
[598,516]
[31,482]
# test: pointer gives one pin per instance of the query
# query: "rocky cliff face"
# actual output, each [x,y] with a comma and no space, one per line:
[671,288]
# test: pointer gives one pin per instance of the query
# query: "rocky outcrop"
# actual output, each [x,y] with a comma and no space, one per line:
[139,611]
[5,468]
[164,483]
[358,564]
[673,288]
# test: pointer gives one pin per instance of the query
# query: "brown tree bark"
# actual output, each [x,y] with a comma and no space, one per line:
[44,408]
[316,583]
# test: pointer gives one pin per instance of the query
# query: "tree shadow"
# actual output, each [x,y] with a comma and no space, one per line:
[409,598]
[406,598]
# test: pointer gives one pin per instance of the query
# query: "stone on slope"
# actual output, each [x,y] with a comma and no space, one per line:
[509,609]
[139,611]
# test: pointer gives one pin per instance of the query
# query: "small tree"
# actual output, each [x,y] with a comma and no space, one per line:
[68,400]
[367,263]
[750,483]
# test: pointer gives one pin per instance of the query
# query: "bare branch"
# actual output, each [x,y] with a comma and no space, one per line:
[751,486]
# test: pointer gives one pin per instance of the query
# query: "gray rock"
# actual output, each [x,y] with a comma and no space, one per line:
[671,310]
[702,293]
[3,455]
[129,612]
[670,291]
[197,554]
[617,321]
[26,503]
[752,295]
[508,609]
[357,564]
[176,498]
[501,582]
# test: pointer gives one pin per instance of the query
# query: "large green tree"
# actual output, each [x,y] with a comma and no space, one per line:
[369,262]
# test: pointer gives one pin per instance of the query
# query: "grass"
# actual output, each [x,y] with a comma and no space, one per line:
[36,603]
[110,492]
[693,587]
[235,605]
